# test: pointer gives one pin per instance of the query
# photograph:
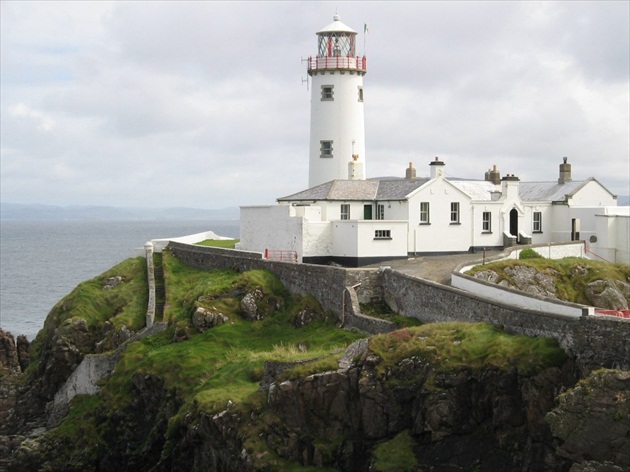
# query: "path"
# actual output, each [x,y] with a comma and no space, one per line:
[437,268]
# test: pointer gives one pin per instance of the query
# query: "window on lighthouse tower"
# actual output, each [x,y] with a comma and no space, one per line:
[326,149]
[328,93]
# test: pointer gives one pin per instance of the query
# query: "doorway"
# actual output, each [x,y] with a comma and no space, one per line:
[514,223]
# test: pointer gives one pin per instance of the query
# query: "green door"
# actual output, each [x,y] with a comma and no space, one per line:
[367,212]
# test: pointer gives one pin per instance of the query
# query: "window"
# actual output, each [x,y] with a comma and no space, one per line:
[537,222]
[383,234]
[360,93]
[380,212]
[326,149]
[424,213]
[454,212]
[486,225]
[328,93]
[345,211]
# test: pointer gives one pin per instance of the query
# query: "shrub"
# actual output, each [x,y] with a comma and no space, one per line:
[529,254]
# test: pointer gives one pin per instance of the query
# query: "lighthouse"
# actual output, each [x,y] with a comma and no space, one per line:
[337,140]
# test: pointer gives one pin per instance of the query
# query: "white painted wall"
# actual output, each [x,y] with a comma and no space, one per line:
[356,238]
[341,121]
[439,235]
[612,228]
[515,298]
[592,194]
[271,227]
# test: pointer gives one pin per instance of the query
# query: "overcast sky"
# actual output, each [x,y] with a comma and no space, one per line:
[203,104]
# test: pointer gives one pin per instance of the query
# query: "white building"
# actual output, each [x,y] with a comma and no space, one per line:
[358,222]
[346,219]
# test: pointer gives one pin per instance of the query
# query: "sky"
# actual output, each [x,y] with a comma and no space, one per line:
[205,104]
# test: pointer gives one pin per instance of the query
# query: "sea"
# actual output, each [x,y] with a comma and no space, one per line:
[42,261]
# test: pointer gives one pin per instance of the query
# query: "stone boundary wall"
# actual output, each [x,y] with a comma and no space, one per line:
[326,283]
[353,318]
[148,254]
[596,342]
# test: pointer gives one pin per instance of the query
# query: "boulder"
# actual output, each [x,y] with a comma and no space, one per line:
[487,276]
[605,294]
[249,305]
[113,282]
[204,319]
[532,281]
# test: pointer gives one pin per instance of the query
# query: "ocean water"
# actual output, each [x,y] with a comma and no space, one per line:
[42,261]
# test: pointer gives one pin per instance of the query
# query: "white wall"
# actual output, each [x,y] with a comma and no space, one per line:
[612,228]
[592,194]
[515,298]
[271,227]
[356,238]
[340,120]
[440,235]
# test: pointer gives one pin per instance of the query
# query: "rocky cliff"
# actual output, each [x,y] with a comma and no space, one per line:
[285,391]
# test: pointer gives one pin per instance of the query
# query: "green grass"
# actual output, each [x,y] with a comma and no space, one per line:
[223,363]
[571,275]
[383,311]
[395,455]
[224,243]
[450,346]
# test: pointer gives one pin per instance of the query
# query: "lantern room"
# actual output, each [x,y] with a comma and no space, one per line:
[336,49]
[336,40]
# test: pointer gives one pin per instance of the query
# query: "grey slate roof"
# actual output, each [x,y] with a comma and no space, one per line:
[549,191]
[399,189]
[476,189]
[358,190]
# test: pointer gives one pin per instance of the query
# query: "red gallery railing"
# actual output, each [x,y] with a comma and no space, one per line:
[337,62]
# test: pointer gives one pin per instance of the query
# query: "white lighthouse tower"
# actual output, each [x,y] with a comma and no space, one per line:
[337,147]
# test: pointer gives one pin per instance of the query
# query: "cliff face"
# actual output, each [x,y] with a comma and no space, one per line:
[489,418]
[237,397]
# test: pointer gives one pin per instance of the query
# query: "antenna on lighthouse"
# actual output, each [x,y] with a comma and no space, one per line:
[303,60]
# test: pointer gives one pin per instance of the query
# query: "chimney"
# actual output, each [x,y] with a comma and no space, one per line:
[565,172]
[509,186]
[436,168]
[355,168]
[493,175]
[410,173]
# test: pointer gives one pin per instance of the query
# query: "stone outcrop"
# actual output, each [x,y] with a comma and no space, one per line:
[458,419]
[592,421]
[9,360]
[204,319]
[523,278]
[249,305]
[606,294]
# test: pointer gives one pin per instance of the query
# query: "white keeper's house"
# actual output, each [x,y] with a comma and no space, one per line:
[344,218]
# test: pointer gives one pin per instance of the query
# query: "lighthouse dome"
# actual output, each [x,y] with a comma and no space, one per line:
[336,27]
